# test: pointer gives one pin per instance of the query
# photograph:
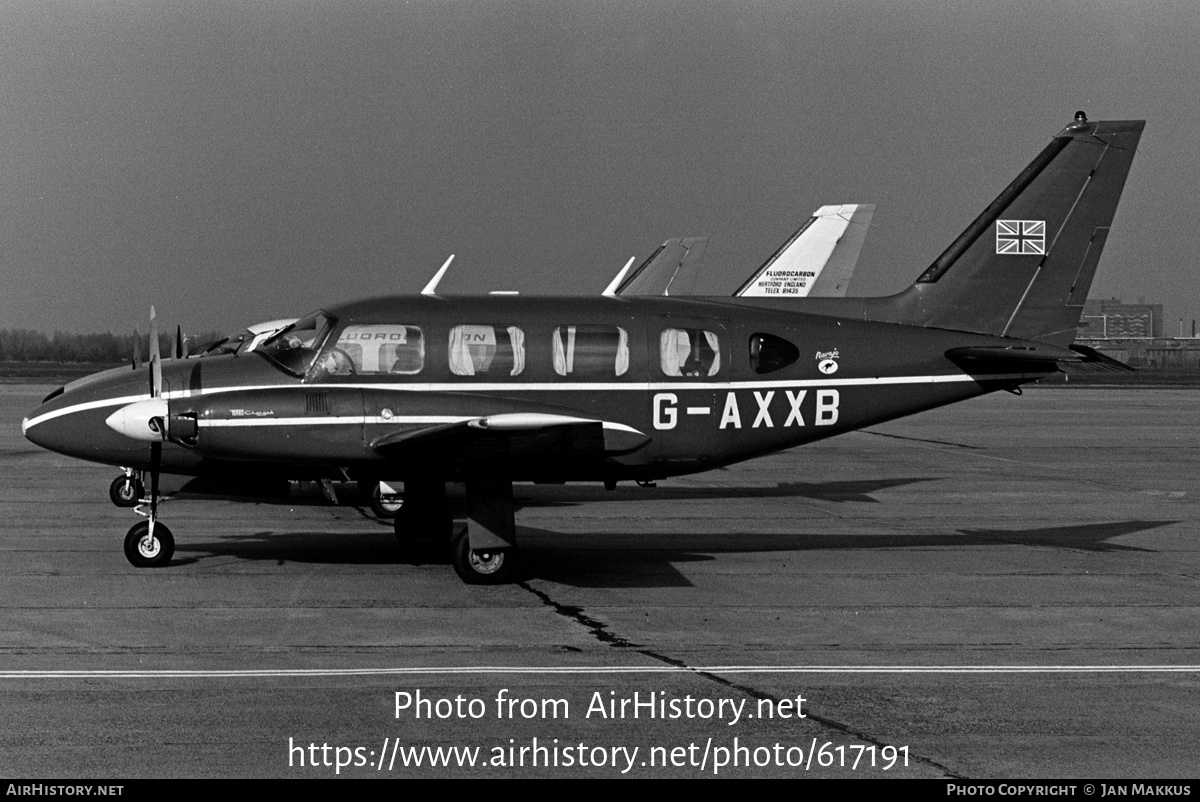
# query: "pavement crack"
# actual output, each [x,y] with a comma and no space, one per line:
[602,633]
[598,629]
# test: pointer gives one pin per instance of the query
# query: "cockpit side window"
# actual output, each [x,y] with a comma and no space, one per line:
[481,350]
[769,353]
[376,349]
[591,350]
[295,348]
[689,352]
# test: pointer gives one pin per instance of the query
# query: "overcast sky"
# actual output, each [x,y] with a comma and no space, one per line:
[232,162]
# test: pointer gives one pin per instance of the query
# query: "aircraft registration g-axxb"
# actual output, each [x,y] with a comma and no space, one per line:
[491,390]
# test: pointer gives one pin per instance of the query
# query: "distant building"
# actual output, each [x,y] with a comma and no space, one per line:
[1133,334]
[1113,319]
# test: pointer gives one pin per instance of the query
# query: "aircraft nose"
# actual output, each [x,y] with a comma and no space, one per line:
[41,427]
[73,423]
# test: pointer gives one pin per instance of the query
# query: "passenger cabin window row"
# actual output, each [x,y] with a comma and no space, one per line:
[580,350]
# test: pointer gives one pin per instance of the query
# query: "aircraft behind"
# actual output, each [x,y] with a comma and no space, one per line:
[818,259]
[490,390]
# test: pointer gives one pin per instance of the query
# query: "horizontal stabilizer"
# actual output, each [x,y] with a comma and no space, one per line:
[1096,361]
[1014,353]
[1030,355]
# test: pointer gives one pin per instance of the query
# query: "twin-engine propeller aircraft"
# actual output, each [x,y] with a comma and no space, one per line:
[490,390]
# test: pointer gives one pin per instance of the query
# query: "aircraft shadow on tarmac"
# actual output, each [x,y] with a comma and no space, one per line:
[550,496]
[563,496]
[646,560]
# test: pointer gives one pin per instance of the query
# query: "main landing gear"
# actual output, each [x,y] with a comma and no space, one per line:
[386,501]
[484,552]
[423,522]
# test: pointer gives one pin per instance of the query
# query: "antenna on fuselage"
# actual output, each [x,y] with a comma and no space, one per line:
[611,290]
[431,287]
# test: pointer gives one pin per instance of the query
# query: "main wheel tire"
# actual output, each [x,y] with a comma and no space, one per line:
[386,507]
[125,491]
[144,552]
[482,566]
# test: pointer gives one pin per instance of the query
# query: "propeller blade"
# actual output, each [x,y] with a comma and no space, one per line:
[179,352]
[155,359]
[137,349]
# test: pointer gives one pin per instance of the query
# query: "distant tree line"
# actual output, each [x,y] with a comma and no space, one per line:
[26,345]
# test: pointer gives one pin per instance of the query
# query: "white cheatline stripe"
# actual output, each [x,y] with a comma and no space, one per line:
[395,419]
[323,421]
[513,387]
[29,423]
[717,669]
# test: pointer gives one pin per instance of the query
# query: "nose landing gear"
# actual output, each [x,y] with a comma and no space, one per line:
[149,544]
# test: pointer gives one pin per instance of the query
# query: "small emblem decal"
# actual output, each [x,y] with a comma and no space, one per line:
[1020,237]
[827,361]
[385,413]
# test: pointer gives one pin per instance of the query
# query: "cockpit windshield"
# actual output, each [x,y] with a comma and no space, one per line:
[295,348]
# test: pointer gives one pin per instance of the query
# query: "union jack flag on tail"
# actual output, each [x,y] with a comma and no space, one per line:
[1020,237]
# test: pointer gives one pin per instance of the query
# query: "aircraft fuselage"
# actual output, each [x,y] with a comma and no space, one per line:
[619,362]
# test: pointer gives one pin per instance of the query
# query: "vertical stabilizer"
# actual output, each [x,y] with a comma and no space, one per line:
[1023,268]
[817,260]
[671,270]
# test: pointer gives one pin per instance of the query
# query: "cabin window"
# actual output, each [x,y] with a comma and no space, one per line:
[689,352]
[477,350]
[769,353]
[376,349]
[591,351]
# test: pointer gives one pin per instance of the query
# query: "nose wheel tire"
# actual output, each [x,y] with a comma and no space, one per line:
[125,491]
[144,551]
[483,566]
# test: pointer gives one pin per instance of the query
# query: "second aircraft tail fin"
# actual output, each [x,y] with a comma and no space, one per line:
[817,260]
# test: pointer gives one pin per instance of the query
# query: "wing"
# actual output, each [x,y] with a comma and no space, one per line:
[511,437]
